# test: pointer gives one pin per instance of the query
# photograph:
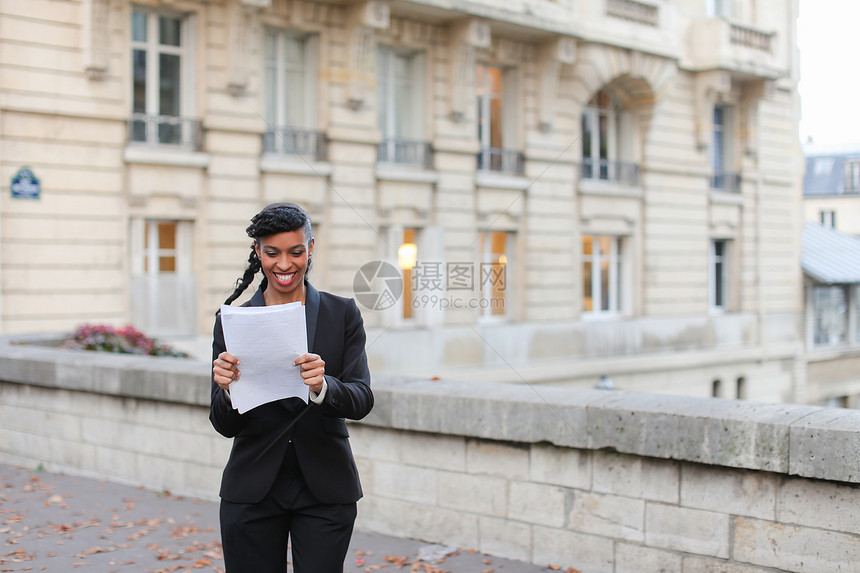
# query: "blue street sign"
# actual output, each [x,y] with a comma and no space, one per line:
[25,185]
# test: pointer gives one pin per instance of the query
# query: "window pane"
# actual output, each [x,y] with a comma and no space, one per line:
[270,46]
[168,31]
[138,58]
[587,266]
[496,122]
[295,98]
[167,235]
[271,83]
[718,284]
[831,315]
[603,143]
[857,314]
[494,76]
[718,159]
[168,87]
[408,237]
[402,97]
[617,275]
[499,278]
[167,264]
[604,284]
[587,295]
[588,245]
[138,26]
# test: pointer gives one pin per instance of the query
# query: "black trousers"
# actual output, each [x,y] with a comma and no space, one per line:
[254,535]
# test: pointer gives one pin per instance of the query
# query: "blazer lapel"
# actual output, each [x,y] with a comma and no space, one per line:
[312,311]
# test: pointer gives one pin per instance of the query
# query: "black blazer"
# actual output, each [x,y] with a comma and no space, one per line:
[336,333]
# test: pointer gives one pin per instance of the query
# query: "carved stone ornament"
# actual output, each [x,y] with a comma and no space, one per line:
[362,21]
[244,17]
[709,85]
[96,37]
[465,37]
[552,56]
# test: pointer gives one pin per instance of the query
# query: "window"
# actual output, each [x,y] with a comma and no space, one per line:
[856,321]
[290,95]
[823,166]
[836,402]
[160,92]
[717,388]
[407,256]
[830,315]
[163,288]
[721,151]
[602,122]
[719,274]
[741,388]
[602,274]
[721,8]
[852,176]
[497,117]
[495,272]
[399,95]
[828,219]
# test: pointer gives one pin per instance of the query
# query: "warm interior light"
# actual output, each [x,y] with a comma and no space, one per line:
[503,260]
[407,255]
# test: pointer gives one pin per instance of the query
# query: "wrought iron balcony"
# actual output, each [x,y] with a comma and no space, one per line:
[405,152]
[165,130]
[299,142]
[508,161]
[726,181]
[614,171]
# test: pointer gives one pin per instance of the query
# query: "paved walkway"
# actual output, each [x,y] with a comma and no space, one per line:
[62,524]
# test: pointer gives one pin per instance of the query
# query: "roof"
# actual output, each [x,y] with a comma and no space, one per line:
[830,257]
[825,169]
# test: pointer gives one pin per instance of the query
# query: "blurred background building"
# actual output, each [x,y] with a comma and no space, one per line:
[571,188]
[831,265]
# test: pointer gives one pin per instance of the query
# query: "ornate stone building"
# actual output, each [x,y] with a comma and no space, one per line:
[570,188]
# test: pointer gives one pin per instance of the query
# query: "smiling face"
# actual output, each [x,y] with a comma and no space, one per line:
[284,259]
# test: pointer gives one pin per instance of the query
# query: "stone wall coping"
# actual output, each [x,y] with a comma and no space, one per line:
[790,439]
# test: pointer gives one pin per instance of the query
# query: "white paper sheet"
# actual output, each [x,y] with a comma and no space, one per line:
[266,340]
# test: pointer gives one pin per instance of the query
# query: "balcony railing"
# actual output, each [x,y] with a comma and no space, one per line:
[638,12]
[614,171]
[165,130]
[750,37]
[299,142]
[725,181]
[405,152]
[508,161]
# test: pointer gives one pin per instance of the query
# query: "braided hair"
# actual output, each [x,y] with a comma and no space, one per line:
[273,219]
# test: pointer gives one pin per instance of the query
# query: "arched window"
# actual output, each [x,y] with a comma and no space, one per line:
[605,125]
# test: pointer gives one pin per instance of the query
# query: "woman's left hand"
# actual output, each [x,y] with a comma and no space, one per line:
[313,370]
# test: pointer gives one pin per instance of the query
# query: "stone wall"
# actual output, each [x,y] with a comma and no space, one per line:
[602,481]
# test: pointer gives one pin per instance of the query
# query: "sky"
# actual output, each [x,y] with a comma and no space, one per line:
[829,79]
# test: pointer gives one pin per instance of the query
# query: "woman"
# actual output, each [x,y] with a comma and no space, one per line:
[291,471]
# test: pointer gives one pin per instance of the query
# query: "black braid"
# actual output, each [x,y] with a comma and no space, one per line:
[247,277]
[275,218]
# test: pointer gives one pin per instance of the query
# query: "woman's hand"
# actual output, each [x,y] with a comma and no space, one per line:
[225,369]
[313,371]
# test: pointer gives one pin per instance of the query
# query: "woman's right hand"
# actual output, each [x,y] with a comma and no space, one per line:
[225,369]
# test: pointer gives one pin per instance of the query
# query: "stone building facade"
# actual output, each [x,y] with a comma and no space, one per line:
[569,188]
